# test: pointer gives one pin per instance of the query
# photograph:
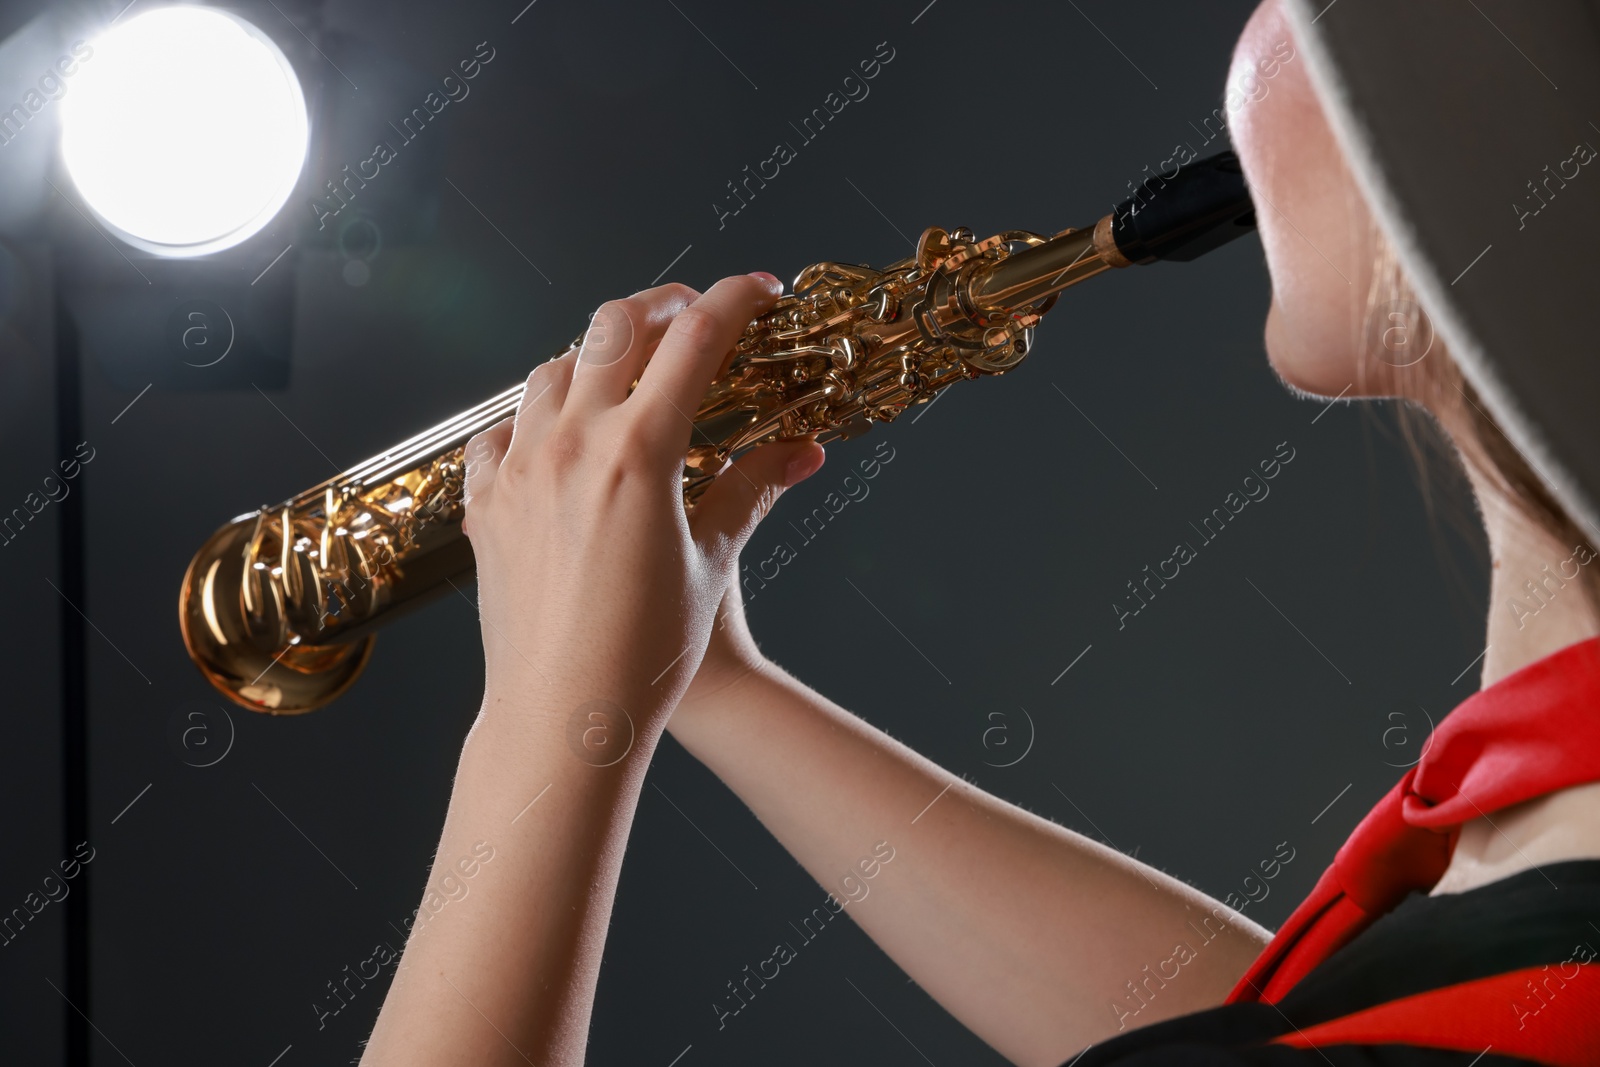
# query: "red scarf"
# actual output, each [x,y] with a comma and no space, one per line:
[1531,733]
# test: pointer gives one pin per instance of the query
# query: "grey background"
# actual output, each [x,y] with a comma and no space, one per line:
[1224,719]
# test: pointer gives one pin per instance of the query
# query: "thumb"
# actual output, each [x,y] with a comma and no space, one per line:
[740,497]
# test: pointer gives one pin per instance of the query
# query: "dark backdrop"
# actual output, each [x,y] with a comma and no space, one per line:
[1266,696]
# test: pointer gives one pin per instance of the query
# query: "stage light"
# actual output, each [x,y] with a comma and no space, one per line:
[185,131]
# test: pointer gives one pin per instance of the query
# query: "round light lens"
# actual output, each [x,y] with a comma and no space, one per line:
[185,130]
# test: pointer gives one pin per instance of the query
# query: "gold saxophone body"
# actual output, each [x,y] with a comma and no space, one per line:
[279,607]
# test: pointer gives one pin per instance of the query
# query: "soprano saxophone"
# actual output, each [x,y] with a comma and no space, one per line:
[279,607]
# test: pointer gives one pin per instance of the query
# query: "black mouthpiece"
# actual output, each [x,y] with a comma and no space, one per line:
[1203,206]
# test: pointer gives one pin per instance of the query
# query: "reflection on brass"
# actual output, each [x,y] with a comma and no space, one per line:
[1106,244]
[278,608]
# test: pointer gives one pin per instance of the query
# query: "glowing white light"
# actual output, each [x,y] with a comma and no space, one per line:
[185,131]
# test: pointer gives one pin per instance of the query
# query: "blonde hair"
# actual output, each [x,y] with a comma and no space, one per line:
[1441,412]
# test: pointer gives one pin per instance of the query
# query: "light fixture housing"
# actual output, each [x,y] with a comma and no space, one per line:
[184,130]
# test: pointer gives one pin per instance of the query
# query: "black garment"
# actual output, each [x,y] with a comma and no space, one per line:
[1537,917]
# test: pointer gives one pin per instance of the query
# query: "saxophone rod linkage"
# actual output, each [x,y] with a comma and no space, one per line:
[279,607]
[1204,206]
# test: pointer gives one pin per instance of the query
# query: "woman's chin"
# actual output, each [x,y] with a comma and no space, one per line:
[1305,373]
[1326,380]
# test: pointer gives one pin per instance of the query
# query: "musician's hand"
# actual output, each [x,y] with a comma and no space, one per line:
[738,500]
[593,584]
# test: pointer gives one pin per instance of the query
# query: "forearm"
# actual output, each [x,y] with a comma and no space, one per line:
[505,972]
[1023,930]
[591,577]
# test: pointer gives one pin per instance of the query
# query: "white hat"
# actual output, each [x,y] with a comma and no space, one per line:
[1472,127]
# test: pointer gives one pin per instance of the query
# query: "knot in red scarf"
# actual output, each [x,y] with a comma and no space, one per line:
[1533,732]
